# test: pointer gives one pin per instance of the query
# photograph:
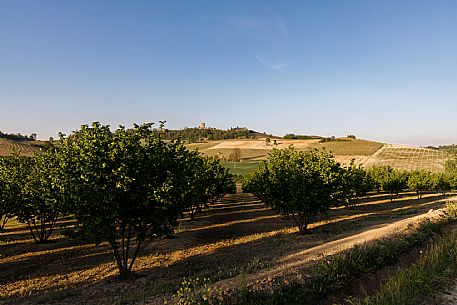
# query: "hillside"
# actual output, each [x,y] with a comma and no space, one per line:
[363,152]
[258,149]
[256,146]
[7,147]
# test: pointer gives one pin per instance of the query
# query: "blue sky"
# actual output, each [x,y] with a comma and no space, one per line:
[382,70]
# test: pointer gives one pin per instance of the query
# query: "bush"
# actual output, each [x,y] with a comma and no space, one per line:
[420,181]
[31,192]
[355,183]
[125,186]
[442,182]
[299,184]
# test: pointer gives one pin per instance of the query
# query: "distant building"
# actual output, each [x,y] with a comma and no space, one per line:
[202,126]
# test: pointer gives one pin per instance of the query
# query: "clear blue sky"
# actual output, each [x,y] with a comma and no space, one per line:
[382,70]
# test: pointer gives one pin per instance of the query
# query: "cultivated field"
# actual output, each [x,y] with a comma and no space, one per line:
[408,158]
[258,149]
[364,153]
[236,240]
[7,147]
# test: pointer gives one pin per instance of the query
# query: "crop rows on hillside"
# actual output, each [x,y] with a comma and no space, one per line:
[7,147]
[409,158]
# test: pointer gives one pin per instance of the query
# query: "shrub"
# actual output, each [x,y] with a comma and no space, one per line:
[299,184]
[124,186]
[420,181]
[31,192]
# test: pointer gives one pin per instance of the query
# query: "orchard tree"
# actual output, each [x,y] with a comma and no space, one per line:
[124,186]
[7,198]
[208,182]
[32,192]
[299,184]
[442,182]
[420,181]
[379,174]
[355,183]
[394,183]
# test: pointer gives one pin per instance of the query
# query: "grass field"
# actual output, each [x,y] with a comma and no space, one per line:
[237,236]
[242,168]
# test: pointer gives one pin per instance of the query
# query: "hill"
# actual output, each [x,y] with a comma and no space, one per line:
[365,153]
[258,149]
[24,148]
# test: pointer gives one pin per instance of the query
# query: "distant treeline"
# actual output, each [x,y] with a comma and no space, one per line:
[201,134]
[18,136]
[301,137]
[452,150]
[448,147]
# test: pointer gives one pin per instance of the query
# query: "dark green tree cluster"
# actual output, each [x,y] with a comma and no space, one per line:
[299,184]
[121,186]
[30,194]
[393,181]
[209,182]
[199,134]
[18,136]
[389,180]
[355,183]
[301,137]
[303,185]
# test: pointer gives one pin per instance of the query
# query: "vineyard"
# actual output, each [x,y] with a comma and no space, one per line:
[408,158]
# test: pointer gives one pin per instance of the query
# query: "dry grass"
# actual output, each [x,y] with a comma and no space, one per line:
[234,233]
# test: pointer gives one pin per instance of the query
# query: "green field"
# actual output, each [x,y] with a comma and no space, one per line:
[242,168]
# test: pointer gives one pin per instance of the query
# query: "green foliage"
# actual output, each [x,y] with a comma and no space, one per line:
[299,184]
[18,136]
[128,185]
[209,182]
[395,182]
[442,182]
[355,183]
[199,134]
[379,174]
[451,165]
[420,181]
[31,192]
[301,137]
[389,180]
[194,291]
[124,186]
[9,192]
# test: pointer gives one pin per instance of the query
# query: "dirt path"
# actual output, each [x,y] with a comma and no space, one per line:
[287,266]
[305,258]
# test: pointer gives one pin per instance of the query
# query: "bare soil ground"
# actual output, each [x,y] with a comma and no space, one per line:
[237,235]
